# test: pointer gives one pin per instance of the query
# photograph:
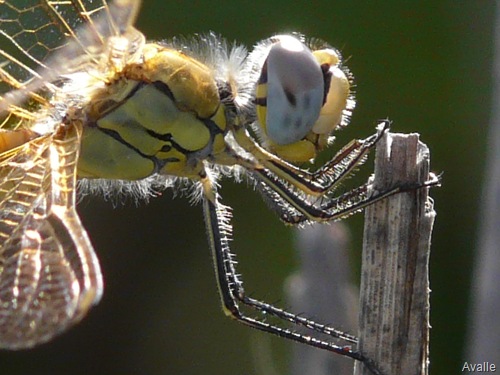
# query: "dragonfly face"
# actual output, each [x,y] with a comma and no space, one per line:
[98,103]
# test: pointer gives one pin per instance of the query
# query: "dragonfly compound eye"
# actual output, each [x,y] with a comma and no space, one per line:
[292,85]
[303,94]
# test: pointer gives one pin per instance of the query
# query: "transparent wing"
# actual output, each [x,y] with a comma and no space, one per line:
[44,40]
[29,32]
[49,274]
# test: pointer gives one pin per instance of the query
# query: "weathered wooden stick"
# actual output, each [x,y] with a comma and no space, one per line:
[394,291]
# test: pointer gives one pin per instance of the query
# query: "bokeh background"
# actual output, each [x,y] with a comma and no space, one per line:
[425,65]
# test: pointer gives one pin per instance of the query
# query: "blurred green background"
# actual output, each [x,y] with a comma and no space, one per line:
[425,65]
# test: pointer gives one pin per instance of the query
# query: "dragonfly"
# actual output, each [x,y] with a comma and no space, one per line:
[88,105]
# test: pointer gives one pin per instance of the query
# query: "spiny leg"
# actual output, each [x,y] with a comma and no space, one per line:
[220,218]
[297,195]
[316,183]
[288,187]
[294,207]
[335,170]
[217,219]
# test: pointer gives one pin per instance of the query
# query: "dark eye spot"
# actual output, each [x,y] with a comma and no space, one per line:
[263,74]
[290,97]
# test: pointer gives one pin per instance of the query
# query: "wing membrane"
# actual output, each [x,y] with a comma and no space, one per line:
[44,40]
[49,274]
[34,29]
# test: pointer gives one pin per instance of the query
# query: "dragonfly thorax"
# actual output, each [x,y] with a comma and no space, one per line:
[163,115]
